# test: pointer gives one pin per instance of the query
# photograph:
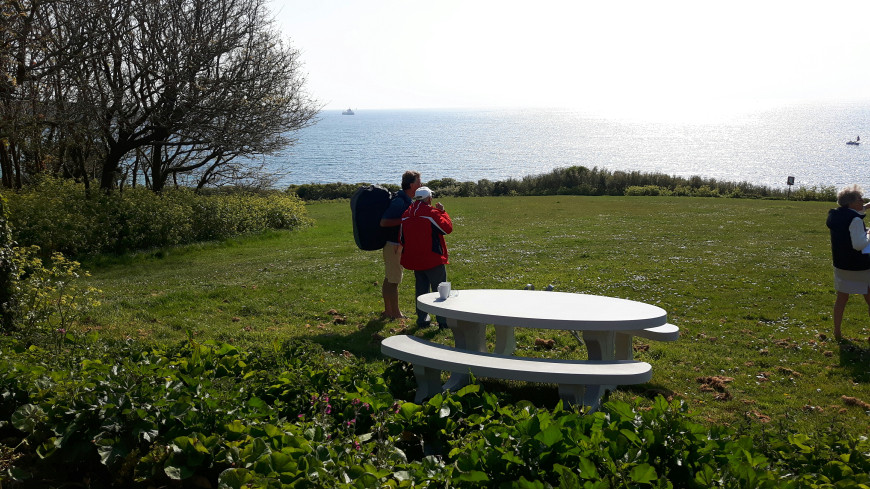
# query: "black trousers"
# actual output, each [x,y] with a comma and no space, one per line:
[427,281]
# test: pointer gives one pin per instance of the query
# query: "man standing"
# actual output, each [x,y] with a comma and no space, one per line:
[390,223]
[425,251]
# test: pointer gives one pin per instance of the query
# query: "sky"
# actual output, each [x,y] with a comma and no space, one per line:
[641,59]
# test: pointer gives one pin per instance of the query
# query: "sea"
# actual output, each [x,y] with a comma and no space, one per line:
[762,148]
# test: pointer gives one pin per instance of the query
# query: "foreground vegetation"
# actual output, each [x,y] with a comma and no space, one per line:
[199,358]
[204,414]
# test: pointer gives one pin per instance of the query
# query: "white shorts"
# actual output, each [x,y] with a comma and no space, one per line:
[851,281]
[393,263]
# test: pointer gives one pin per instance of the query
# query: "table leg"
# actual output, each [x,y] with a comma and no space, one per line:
[466,336]
[505,343]
[601,345]
[623,349]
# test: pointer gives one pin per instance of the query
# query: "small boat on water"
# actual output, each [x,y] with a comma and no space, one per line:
[853,143]
[347,112]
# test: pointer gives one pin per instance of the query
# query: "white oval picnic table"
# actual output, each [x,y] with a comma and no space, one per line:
[606,322]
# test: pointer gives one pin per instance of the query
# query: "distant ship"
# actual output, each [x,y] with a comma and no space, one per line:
[856,142]
[347,112]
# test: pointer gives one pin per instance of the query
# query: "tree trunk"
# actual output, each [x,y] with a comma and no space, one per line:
[112,166]
[158,176]
[5,166]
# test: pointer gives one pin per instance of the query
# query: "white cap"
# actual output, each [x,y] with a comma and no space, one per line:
[422,193]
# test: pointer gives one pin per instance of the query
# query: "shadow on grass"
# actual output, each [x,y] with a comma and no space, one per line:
[855,359]
[365,342]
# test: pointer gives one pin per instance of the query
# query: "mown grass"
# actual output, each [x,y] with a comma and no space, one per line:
[748,282]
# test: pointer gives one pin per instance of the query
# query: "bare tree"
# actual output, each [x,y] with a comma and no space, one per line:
[38,131]
[191,83]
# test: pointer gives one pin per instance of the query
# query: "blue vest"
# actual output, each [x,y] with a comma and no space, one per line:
[845,257]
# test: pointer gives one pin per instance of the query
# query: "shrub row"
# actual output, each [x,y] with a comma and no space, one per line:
[211,415]
[579,180]
[58,216]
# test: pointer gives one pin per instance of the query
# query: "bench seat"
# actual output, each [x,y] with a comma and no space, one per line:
[665,332]
[580,381]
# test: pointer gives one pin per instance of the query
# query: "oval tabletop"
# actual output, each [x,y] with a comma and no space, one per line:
[544,309]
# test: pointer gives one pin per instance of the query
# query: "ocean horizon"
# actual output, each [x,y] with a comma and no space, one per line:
[762,148]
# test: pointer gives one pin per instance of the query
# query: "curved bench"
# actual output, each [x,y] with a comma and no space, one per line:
[580,381]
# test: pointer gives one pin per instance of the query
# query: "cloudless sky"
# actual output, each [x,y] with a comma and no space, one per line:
[649,59]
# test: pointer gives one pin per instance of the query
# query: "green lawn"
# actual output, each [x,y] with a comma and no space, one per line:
[748,282]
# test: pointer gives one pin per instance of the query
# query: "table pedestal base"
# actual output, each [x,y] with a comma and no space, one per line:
[582,395]
[466,336]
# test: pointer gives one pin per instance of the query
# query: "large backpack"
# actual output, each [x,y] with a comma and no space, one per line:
[367,206]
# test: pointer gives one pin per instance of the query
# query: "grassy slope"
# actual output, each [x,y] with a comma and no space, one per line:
[748,282]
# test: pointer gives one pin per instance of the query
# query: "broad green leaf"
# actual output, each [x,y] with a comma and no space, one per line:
[512,457]
[621,408]
[177,473]
[631,435]
[551,435]
[27,417]
[567,478]
[799,440]
[234,479]
[256,402]
[643,473]
[283,463]
[587,469]
[473,476]
[408,409]
[227,349]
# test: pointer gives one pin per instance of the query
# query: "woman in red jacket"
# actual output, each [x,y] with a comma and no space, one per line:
[424,249]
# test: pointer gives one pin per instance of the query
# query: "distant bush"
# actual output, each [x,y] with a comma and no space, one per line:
[579,180]
[58,216]
[647,190]
[330,191]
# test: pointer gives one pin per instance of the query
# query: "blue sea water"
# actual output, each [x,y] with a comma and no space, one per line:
[763,148]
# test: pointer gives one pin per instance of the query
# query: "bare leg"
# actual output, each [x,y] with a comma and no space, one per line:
[839,307]
[390,292]
[867,300]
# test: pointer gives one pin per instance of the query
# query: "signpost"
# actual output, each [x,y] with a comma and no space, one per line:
[790,182]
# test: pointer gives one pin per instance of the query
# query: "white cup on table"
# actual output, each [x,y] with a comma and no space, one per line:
[444,289]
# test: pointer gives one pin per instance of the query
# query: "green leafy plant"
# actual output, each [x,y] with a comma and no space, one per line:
[49,298]
[210,413]
[8,269]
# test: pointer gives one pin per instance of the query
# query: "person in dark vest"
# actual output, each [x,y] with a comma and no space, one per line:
[849,237]
[390,223]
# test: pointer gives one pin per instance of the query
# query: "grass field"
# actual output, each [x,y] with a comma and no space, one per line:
[749,283]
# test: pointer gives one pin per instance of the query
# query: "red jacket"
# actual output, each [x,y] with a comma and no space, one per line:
[422,234]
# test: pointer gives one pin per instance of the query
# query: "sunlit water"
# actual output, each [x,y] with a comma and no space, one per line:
[764,148]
